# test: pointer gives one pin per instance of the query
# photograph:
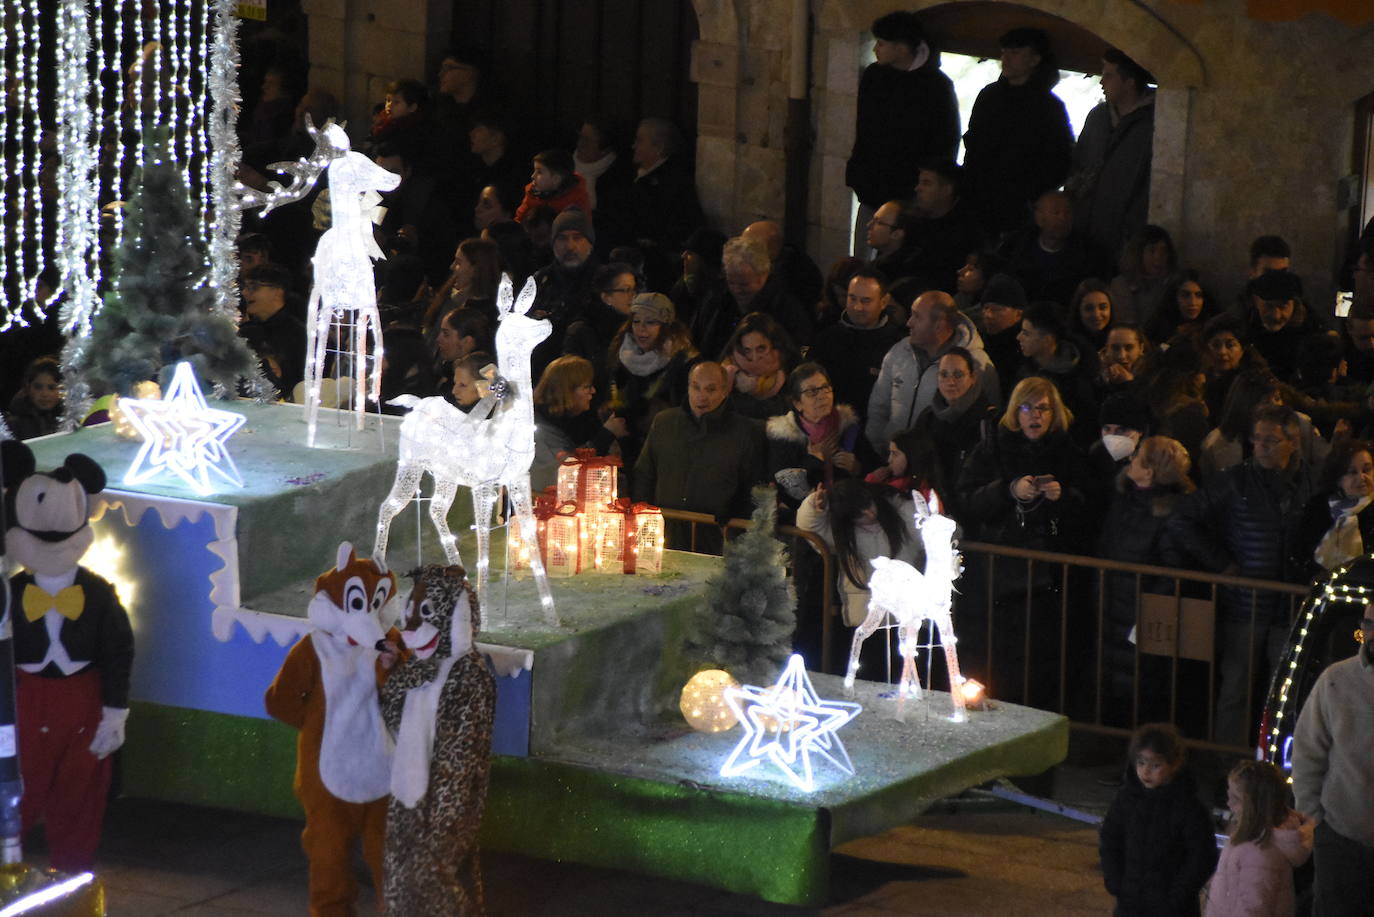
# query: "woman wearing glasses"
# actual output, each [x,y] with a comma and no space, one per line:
[958,418]
[817,441]
[1023,487]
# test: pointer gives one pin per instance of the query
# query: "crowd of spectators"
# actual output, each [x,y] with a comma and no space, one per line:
[1011,334]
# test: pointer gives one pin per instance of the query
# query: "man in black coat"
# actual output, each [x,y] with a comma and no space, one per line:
[1246,520]
[661,204]
[907,113]
[1019,142]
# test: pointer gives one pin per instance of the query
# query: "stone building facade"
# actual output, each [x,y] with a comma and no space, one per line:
[1254,127]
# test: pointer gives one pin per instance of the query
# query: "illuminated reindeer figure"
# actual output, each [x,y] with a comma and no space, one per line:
[344,290]
[912,598]
[480,453]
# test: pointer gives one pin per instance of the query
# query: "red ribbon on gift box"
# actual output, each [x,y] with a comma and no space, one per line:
[630,532]
[587,458]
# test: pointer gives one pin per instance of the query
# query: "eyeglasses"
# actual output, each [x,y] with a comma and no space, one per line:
[877,222]
[1268,441]
[1035,409]
[954,374]
[816,392]
[623,290]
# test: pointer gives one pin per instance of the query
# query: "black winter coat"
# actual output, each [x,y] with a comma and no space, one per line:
[1248,517]
[993,514]
[904,117]
[1019,143]
[1157,848]
[852,357]
[954,436]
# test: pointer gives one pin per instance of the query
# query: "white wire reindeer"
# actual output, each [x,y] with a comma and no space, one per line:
[344,290]
[482,454]
[912,598]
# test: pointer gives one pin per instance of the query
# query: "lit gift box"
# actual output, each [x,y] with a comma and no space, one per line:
[587,480]
[642,538]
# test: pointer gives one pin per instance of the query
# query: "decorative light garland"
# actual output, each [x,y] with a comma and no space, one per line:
[222,163]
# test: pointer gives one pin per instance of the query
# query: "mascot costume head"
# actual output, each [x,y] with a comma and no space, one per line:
[48,513]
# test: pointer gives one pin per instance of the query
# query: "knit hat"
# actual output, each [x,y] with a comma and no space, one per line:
[574,220]
[654,307]
[1125,411]
[1005,290]
[1278,286]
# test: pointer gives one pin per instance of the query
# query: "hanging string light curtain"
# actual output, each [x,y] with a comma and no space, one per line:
[69,144]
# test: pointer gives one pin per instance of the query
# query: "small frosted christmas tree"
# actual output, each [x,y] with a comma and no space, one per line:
[750,611]
[160,308]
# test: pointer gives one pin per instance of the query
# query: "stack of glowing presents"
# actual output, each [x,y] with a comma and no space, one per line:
[584,525]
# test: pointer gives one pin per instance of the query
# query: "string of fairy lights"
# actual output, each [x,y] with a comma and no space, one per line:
[72,129]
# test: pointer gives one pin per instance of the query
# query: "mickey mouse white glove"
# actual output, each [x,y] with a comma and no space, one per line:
[109,735]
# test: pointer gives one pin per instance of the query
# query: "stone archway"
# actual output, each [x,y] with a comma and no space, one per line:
[841,25]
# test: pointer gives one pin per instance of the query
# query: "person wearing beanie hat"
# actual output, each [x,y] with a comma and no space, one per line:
[999,320]
[1279,321]
[647,364]
[565,292]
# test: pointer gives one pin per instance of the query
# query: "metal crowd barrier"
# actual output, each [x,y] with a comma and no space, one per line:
[1050,597]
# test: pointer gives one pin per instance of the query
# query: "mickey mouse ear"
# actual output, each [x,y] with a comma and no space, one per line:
[85,470]
[16,461]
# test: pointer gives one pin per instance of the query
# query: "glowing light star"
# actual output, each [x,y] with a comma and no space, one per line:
[182,435]
[912,598]
[489,447]
[786,723]
[703,702]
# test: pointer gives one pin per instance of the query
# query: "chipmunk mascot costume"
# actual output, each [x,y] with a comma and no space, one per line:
[441,705]
[73,650]
[327,688]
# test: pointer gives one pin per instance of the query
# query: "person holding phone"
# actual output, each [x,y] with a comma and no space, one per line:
[1023,486]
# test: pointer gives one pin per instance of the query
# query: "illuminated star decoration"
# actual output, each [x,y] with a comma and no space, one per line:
[785,724]
[182,435]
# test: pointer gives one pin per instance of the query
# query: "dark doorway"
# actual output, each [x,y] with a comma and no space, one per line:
[557,61]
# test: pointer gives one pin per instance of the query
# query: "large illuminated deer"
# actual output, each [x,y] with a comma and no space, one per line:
[912,598]
[483,454]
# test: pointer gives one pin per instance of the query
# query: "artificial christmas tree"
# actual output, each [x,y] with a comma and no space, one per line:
[750,611]
[159,308]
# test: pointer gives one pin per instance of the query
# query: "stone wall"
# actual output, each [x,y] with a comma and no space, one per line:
[1254,124]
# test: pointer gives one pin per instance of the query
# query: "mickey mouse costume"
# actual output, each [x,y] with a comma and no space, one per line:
[73,651]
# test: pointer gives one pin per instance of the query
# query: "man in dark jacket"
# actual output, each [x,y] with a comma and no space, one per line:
[565,291]
[661,204]
[852,350]
[1111,161]
[907,113]
[1246,520]
[1019,142]
[947,231]
[701,457]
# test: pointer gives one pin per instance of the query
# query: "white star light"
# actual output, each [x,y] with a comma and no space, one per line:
[182,435]
[785,723]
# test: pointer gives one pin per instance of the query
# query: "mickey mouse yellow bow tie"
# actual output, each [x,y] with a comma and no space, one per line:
[69,602]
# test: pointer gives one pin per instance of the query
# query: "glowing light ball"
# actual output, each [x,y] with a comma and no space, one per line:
[703,701]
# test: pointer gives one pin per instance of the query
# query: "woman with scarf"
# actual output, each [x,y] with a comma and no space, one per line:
[1338,525]
[648,363]
[758,357]
[817,441]
[956,421]
[564,419]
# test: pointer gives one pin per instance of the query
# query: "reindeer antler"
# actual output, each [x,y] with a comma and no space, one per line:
[331,143]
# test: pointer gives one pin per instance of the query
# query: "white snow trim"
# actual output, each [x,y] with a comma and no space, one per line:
[172,511]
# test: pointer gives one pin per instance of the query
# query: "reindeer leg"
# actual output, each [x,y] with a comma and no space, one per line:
[951,644]
[314,369]
[402,492]
[359,370]
[439,505]
[483,501]
[861,633]
[373,319]
[529,531]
